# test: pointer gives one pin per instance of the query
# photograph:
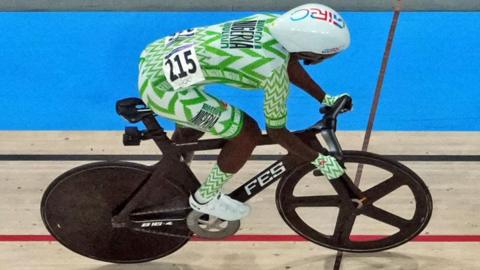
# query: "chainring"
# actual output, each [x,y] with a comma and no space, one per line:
[211,227]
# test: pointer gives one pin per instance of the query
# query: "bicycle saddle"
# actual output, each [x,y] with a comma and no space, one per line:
[133,109]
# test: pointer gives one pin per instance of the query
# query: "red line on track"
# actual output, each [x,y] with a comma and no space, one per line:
[269,238]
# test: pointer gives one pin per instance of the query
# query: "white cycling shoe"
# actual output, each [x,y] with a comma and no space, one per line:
[221,206]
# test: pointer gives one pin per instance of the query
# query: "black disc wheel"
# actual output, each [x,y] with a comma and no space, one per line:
[78,206]
[391,205]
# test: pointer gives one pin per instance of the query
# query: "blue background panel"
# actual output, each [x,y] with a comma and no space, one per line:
[65,70]
[433,78]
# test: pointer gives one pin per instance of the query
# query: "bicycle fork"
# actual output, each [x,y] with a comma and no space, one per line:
[343,185]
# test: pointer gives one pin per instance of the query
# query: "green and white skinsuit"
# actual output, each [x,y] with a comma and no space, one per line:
[241,53]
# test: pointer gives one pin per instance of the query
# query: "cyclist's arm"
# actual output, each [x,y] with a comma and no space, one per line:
[275,109]
[299,76]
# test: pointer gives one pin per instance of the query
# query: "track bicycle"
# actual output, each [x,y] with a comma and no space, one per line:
[126,212]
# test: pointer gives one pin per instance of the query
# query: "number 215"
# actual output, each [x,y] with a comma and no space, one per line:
[192,68]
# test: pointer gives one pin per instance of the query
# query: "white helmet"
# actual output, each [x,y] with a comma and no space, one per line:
[311,28]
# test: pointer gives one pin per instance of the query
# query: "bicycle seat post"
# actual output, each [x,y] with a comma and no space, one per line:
[159,136]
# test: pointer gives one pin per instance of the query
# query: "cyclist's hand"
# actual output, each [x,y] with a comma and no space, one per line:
[329,166]
[330,100]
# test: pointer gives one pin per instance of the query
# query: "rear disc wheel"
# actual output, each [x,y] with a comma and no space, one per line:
[78,206]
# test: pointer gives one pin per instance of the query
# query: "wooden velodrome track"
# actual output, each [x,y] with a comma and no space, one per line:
[447,161]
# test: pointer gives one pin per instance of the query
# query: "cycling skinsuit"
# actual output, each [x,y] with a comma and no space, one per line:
[240,53]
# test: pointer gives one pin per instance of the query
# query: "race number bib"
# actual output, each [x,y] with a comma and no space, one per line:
[181,67]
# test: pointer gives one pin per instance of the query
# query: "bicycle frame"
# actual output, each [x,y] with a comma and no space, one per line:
[172,159]
[171,151]
[283,166]
[265,178]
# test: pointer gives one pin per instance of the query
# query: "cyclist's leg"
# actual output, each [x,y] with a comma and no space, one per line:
[231,159]
[243,135]
[237,150]
[196,109]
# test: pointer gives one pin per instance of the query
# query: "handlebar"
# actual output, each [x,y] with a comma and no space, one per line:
[330,113]
[328,124]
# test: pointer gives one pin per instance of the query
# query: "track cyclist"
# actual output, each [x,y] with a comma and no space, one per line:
[257,52]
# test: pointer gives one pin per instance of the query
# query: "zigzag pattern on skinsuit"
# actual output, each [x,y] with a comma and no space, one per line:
[330,100]
[276,93]
[214,183]
[329,166]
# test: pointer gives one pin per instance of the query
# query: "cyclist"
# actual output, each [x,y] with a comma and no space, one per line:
[258,52]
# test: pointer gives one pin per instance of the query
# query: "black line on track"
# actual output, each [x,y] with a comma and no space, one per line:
[33,157]
[376,99]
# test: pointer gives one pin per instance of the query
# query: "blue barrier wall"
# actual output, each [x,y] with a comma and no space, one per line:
[433,78]
[64,71]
